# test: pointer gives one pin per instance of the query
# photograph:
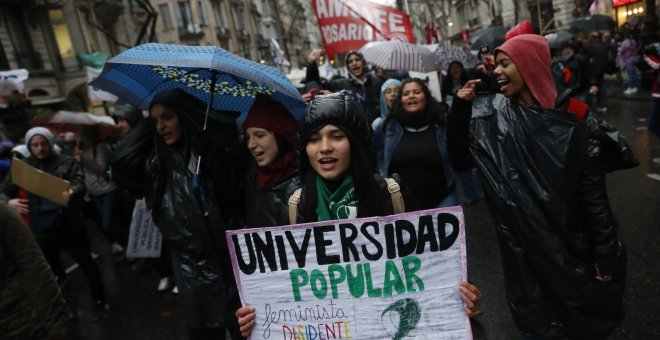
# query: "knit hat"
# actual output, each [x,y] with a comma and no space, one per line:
[266,113]
[531,55]
[39,131]
[341,110]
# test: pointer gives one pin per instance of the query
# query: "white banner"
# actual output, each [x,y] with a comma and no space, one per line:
[94,93]
[390,277]
[144,239]
[12,80]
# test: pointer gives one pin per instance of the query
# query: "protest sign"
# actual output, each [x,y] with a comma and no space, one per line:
[144,239]
[348,25]
[38,182]
[388,277]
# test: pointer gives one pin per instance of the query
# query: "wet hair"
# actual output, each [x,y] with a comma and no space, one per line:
[341,110]
[436,110]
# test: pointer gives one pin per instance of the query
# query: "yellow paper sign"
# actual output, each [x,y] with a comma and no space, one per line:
[38,182]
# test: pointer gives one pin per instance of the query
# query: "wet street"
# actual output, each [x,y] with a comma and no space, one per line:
[139,311]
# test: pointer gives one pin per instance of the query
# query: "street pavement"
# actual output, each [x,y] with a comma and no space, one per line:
[138,311]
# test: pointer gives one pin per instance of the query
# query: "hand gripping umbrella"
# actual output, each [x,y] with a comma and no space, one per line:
[226,82]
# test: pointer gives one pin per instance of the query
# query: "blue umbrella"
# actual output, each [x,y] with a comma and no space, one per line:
[213,75]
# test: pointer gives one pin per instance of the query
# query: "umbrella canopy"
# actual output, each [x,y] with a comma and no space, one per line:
[399,55]
[138,74]
[492,37]
[446,54]
[72,121]
[558,39]
[590,23]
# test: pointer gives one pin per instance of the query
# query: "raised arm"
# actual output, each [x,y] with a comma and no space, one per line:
[458,125]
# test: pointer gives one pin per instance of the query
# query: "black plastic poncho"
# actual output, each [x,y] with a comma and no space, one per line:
[544,176]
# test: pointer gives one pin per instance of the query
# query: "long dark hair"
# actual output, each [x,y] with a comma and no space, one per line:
[434,112]
[370,197]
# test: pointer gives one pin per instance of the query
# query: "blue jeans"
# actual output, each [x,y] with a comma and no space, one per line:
[105,204]
[632,76]
[449,201]
[469,187]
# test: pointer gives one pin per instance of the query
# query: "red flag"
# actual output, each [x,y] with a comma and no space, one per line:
[349,25]
[431,34]
[465,34]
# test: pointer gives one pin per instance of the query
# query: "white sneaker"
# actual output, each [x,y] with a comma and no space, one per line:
[163,284]
[115,248]
[654,176]
[175,290]
[630,90]
[627,91]
[656,160]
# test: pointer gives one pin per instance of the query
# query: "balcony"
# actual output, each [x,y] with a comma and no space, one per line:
[221,32]
[190,32]
[243,34]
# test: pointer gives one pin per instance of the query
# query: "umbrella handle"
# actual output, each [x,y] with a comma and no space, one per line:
[214,75]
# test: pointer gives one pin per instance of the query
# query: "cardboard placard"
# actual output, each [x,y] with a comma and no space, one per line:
[38,182]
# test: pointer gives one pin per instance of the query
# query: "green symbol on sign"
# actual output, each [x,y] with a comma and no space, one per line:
[408,312]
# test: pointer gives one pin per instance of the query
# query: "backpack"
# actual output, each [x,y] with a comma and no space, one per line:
[392,186]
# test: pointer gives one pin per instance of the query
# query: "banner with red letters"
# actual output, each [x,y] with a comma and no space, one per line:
[349,25]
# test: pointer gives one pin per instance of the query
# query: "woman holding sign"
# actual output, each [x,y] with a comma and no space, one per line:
[544,172]
[339,177]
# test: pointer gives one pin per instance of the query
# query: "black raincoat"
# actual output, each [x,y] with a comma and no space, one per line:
[544,176]
[191,213]
[268,206]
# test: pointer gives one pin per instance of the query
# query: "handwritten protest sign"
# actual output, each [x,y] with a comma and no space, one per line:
[144,238]
[389,277]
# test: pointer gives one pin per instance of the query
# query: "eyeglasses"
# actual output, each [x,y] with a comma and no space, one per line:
[389,91]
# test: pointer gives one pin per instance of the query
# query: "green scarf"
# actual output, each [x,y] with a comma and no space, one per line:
[337,205]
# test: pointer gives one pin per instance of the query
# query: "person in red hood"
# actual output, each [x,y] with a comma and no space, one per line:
[543,171]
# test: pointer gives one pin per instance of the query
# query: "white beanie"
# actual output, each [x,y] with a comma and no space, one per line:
[39,131]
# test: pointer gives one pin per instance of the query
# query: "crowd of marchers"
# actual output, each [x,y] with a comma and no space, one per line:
[516,131]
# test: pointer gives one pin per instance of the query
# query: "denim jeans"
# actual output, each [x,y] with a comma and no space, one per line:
[105,204]
[654,118]
[632,76]
[468,184]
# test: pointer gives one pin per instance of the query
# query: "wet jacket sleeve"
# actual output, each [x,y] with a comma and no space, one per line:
[458,135]
[598,215]
[7,189]
[29,273]
[75,176]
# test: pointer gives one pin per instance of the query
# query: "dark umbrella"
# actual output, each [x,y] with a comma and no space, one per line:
[590,23]
[558,39]
[492,37]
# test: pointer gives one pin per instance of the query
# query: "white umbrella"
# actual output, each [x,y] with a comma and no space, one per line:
[446,54]
[81,118]
[399,55]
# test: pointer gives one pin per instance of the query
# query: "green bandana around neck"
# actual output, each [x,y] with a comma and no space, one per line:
[337,205]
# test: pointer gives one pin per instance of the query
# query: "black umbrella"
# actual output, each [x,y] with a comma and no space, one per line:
[590,23]
[492,37]
[558,39]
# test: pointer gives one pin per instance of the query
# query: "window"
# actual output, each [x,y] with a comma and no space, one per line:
[89,32]
[203,16]
[238,17]
[219,16]
[246,50]
[184,18]
[257,26]
[164,10]
[63,39]
[24,52]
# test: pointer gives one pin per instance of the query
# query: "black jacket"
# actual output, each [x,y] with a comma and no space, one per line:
[578,76]
[268,206]
[31,304]
[546,191]
[190,212]
[370,90]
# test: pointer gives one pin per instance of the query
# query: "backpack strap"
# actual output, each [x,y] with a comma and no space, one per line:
[293,205]
[397,199]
